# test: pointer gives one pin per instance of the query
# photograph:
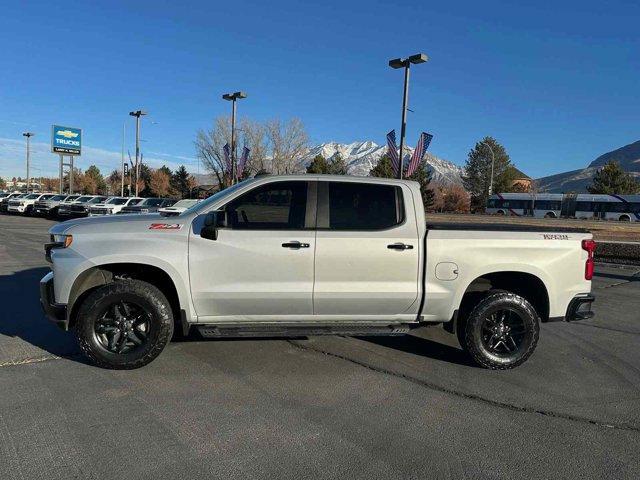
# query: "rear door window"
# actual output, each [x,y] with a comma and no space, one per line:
[364,206]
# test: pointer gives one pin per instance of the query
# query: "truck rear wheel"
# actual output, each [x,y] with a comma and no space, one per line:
[502,331]
[124,325]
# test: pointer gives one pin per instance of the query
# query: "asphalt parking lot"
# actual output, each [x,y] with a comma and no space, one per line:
[322,407]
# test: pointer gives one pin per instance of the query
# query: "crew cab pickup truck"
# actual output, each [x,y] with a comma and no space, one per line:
[25,204]
[309,255]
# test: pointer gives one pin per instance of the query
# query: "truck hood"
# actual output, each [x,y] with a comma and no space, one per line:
[118,223]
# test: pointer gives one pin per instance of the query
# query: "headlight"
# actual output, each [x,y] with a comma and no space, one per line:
[62,241]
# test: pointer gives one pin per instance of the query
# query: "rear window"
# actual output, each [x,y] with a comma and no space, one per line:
[362,206]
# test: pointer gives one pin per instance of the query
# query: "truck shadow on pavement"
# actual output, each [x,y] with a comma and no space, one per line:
[424,347]
[23,318]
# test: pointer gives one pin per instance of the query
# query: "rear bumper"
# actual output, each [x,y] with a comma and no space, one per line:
[55,312]
[579,309]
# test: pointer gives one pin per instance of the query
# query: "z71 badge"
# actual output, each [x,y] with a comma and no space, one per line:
[165,226]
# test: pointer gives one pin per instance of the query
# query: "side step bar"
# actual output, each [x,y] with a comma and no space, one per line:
[271,330]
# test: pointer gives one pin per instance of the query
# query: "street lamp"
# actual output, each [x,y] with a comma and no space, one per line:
[493,159]
[137,114]
[406,63]
[232,97]
[28,135]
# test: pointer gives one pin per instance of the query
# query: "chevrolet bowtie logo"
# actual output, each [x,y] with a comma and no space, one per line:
[66,133]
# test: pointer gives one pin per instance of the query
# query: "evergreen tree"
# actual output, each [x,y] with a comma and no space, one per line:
[477,171]
[612,179]
[319,164]
[180,182]
[94,181]
[384,169]
[337,165]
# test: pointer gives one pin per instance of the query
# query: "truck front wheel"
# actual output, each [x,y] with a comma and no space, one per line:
[124,325]
[501,332]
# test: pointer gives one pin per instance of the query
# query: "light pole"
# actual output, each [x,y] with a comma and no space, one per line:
[493,159]
[406,63]
[137,114]
[124,132]
[232,97]
[28,135]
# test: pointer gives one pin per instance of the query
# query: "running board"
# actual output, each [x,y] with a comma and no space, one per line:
[218,331]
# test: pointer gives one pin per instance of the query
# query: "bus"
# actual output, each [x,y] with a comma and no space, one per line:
[624,208]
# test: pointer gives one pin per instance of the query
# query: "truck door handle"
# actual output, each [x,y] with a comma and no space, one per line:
[295,245]
[400,246]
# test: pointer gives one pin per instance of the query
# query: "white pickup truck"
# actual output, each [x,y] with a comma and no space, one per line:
[309,255]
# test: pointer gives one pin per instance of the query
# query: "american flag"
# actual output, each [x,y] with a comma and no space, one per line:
[418,153]
[243,161]
[227,157]
[393,151]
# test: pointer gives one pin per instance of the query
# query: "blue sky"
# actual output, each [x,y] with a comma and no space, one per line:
[555,83]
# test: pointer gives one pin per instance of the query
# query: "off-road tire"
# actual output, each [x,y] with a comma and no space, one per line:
[470,333]
[149,298]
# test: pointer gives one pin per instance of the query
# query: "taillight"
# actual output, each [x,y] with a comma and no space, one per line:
[590,247]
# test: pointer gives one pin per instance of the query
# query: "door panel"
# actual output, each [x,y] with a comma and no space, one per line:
[261,263]
[249,272]
[356,272]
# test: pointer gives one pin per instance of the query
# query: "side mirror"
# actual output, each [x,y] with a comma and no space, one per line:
[213,221]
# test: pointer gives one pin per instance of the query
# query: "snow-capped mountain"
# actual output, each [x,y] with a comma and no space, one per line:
[361,157]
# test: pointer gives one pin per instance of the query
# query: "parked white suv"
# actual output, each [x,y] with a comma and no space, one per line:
[113,205]
[308,255]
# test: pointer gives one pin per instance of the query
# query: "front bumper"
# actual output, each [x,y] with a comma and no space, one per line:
[41,210]
[55,312]
[16,209]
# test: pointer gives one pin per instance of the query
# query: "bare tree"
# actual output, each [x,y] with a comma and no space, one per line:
[253,135]
[209,149]
[288,143]
[275,147]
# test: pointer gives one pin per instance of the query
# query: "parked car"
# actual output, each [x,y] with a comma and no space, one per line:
[49,206]
[312,254]
[4,202]
[80,206]
[112,205]
[178,207]
[148,205]
[25,204]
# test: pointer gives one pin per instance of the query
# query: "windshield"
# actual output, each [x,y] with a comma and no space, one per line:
[185,203]
[2,195]
[97,200]
[134,201]
[84,199]
[58,198]
[46,197]
[151,202]
[217,196]
[33,196]
[117,201]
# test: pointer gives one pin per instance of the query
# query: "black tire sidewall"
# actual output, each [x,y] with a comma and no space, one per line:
[473,335]
[142,294]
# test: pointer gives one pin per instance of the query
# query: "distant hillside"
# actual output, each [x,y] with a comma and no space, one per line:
[578,180]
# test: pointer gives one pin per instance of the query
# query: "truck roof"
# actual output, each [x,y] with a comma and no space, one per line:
[339,178]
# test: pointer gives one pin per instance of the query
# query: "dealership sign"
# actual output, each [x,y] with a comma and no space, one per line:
[66,140]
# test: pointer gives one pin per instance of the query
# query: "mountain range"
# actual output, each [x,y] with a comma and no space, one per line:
[577,180]
[361,157]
